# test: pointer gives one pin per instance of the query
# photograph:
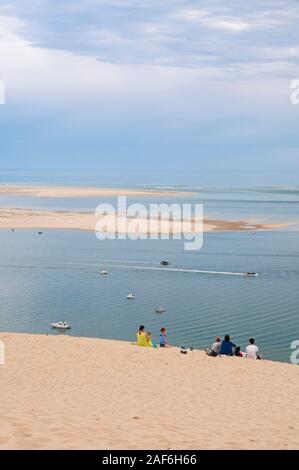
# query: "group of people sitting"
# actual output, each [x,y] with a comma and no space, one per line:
[144,338]
[220,347]
[226,347]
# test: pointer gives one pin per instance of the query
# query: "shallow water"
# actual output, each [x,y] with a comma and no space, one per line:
[276,205]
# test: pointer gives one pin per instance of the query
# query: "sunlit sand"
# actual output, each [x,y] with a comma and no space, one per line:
[61,392]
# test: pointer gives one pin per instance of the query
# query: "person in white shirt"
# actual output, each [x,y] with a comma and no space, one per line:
[252,350]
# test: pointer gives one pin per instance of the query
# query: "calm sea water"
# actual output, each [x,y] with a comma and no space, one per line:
[56,277]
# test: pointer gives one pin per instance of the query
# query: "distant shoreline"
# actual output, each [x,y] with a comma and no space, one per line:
[12,218]
[82,192]
[36,219]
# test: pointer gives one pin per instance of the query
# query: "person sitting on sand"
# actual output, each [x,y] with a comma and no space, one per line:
[227,347]
[163,339]
[252,350]
[238,352]
[215,348]
[143,337]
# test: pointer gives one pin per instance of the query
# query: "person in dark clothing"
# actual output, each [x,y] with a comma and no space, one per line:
[227,347]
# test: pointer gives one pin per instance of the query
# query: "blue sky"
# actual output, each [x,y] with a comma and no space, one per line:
[190,92]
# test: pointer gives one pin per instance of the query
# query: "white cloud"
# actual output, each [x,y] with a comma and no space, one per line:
[190,15]
[229,24]
[278,68]
[251,20]
[45,74]
[10,26]
[52,77]
[276,53]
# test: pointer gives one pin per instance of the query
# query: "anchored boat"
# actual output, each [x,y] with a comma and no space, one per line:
[160,310]
[130,296]
[61,325]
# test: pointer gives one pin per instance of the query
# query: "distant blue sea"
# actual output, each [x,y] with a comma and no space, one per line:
[56,276]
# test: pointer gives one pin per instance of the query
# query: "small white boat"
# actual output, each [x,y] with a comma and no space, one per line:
[130,296]
[160,310]
[104,272]
[251,274]
[61,325]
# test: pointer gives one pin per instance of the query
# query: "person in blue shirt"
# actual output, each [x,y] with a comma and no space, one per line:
[227,347]
[163,339]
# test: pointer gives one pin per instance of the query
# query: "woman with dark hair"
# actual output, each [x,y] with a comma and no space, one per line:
[144,338]
[227,347]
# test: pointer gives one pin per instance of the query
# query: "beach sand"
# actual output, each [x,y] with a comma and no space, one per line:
[36,219]
[61,392]
[33,219]
[71,192]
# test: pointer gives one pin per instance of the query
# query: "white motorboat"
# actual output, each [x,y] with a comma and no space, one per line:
[130,296]
[61,325]
[160,310]
[104,273]
[251,274]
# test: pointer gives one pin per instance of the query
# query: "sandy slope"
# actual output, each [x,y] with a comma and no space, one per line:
[68,393]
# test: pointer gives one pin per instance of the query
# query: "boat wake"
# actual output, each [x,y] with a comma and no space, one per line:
[181,270]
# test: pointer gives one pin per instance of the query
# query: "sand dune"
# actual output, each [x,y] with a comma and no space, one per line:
[60,392]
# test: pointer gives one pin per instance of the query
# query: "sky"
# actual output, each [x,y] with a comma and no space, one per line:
[151,92]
